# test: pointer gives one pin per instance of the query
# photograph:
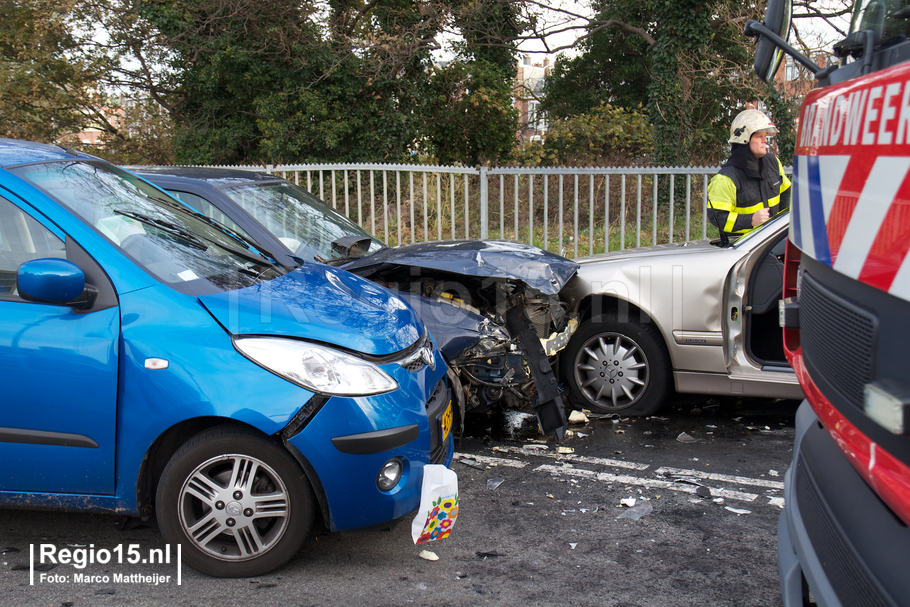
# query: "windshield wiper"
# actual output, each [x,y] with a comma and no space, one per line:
[218,225]
[166,226]
[195,240]
[262,251]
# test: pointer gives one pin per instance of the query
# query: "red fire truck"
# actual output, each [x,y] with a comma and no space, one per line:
[843,536]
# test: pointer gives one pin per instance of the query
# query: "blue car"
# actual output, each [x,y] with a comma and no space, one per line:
[154,362]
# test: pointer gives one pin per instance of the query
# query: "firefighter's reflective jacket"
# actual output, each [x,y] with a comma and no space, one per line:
[744,186]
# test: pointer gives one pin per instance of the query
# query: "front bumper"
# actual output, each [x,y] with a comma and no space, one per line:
[835,535]
[346,444]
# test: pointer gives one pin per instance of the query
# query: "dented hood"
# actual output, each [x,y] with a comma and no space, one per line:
[546,272]
[322,304]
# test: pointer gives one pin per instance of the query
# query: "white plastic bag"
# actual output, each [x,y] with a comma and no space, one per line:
[438,505]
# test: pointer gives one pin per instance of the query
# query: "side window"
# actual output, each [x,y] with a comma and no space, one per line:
[22,239]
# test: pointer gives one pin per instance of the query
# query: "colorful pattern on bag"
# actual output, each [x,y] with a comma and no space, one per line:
[440,519]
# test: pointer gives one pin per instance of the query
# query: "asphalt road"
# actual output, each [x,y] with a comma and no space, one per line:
[535,527]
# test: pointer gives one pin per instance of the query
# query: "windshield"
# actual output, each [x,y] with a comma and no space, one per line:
[881,17]
[172,243]
[303,223]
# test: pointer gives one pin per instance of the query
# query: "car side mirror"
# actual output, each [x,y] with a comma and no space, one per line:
[353,247]
[768,55]
[54,281]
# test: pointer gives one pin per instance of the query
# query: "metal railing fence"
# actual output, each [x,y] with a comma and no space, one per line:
[571,211]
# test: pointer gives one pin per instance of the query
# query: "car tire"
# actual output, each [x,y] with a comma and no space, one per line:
[239,505]
[611,366]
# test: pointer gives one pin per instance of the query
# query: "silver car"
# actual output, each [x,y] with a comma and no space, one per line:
[695,317]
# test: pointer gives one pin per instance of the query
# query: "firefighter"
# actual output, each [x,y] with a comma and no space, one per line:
[751,186]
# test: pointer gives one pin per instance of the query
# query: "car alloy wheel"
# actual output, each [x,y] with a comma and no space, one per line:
[611,370]
[613,366]
[239,504]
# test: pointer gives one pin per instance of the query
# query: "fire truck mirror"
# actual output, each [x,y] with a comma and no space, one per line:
[768,56]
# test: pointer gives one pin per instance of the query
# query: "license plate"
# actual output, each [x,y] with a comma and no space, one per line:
[445,421]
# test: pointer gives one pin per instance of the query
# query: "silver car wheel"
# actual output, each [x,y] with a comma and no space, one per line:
[611,370]
[234,507]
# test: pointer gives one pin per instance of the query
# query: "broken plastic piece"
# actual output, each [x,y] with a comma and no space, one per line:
[685,438]
[565,450]
[572,545]
[776,501]
[427,555]
[737,511]
[636,512]
[472,464]
[577,417]
[628,501]
[495,482]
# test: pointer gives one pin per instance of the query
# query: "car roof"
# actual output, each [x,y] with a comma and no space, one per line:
[15,152]
[211,176]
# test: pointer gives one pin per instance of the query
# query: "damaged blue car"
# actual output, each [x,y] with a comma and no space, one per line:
[155,363]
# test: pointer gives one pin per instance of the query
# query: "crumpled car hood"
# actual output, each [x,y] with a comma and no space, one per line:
[323,304]
[541,270]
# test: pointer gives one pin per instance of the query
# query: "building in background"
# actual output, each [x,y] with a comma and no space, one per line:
[528,88]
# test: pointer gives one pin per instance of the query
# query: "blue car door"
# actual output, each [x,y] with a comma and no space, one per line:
[58,371]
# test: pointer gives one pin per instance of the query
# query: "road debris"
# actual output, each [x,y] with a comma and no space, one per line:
[494,482]
[565,450]
[685,438]
[636,512]
[776,501]
[628,501]
[482,556]
[472,464]
[737,511]
[572,545]
[577,417]
[428,556]
[773,472]
[703,491]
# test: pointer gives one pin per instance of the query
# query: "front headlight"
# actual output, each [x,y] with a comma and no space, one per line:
[316,368]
